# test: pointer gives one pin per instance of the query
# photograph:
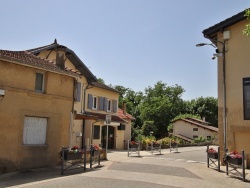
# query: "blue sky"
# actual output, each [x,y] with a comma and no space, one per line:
[133,43]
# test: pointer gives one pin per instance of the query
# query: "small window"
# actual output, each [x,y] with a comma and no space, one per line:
[34,131]
[195,136]
[96,132]
[109,105]
[94,103]
[39,82]
[195,129]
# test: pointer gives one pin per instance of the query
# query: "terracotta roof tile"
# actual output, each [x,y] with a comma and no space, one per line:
[123,116]
[26,58]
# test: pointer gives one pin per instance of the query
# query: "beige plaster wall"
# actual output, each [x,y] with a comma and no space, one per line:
[237,67]
[21,100]
[186,129]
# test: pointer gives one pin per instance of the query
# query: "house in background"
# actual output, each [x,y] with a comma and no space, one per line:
[36,99]
[233,82]
[191,128]
[92,102]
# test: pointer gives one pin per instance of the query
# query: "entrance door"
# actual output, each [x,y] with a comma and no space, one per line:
[111,137]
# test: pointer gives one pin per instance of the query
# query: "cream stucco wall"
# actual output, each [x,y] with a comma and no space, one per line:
[237,67]
[21,100]
[186,129]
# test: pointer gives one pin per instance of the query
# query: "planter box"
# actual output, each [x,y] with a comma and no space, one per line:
[174,144]
[72,156]
[156,145]
[95,153]
[212,155]
[235,161]
[134,146]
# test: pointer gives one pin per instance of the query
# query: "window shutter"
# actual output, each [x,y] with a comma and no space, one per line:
[79,86]
[105,106]
[100,103]
[90,101]
[114,106]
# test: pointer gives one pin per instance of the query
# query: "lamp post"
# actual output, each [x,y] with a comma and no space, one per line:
[224,84]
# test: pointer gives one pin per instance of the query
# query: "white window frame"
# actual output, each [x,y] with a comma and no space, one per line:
[35,131]
[42,82]
[109,105]
[95,103]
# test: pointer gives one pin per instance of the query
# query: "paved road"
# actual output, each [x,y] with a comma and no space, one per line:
[170,170]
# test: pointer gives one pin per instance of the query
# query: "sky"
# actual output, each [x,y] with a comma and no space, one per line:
[132,43]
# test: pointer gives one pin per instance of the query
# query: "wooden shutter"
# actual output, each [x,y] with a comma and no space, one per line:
[105,105]
[79,87]
[90,101]
[114,102]
[100,103]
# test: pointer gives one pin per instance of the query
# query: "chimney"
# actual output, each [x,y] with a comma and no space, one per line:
[124,108]
[204,119]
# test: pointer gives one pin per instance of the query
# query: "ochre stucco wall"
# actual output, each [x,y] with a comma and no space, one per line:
[21,100]
[237,67]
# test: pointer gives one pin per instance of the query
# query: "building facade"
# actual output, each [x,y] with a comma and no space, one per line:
[233,82]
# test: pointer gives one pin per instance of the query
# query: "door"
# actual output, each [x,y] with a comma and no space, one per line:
[111,137]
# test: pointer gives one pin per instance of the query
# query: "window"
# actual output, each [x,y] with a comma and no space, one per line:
[94,103]
[77,93]
[195,129]
[96,132]
[34,131]
[195,136]
[39,82]
[246,98]
[109,105]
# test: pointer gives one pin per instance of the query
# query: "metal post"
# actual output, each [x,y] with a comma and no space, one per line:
[152,148]
[85,155]
[224,96]
[99,156]
[207,157]
[90,158]
[243,165]
[219,159]
[226,163]
[139,148]
[107,141]
[62,167]
[128,148]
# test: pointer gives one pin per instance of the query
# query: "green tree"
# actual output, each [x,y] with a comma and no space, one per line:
[100,80]
[204,108]
[246,31]
[160,105]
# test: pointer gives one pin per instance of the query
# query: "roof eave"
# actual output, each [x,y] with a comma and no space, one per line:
[211,31]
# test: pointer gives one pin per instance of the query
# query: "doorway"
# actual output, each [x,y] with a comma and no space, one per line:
[111,137]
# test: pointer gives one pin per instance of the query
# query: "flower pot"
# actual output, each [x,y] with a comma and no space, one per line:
[94,152]
[156,145]
[174,144]
[133,145]
[72,156]
[236,161]
[212,155]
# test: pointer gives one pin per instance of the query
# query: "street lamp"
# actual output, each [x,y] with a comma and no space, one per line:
[224,83]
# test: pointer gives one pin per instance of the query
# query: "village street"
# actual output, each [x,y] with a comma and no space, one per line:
[185,168]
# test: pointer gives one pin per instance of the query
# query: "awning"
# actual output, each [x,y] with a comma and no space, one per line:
[114,124]
[85,116]
[114,118]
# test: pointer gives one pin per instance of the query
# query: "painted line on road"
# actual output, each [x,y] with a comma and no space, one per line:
[173,159]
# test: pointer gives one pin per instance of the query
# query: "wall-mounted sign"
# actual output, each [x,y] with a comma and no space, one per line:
[246,98]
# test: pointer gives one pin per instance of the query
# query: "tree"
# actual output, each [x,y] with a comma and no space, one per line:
[160,105]
[100,80]
[246,31]
[205,108]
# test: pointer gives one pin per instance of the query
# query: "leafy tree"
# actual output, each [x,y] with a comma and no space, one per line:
[148,127]
[246,31]
[204,108]
[100,80]
[161,104]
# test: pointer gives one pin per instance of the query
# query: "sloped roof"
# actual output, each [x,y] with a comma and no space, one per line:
[70,55]
[27,59]
[124,116]
[103,86]
[101,116]
[211,31]
[194,122]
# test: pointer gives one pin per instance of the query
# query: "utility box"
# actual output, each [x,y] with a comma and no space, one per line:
[2,92]
[78,134]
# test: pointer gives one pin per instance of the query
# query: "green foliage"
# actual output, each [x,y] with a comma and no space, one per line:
[199,140]
[147,127]
[100,80]
[246,31]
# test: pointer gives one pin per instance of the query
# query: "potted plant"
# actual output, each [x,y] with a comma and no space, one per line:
[233,157]
[212,153]
[71,153]
[133,144]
